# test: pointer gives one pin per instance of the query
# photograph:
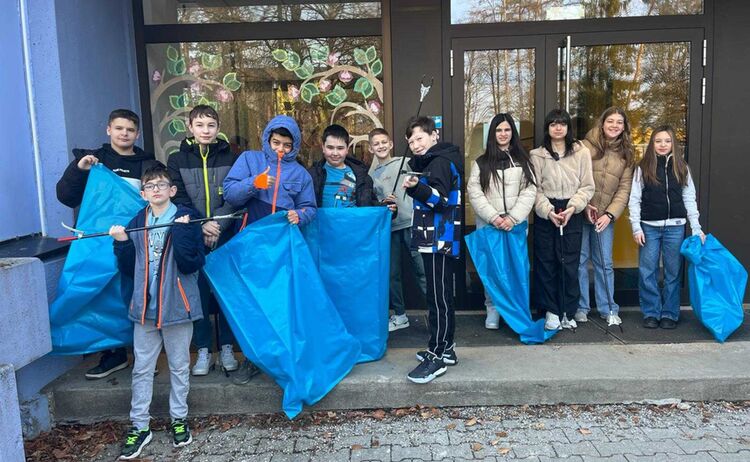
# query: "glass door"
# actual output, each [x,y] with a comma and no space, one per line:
[655,76]
[493,76]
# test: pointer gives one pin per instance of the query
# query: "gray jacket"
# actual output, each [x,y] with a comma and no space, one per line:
[383,178]
[182,257]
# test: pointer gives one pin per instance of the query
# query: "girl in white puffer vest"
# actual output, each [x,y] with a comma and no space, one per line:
[501,187]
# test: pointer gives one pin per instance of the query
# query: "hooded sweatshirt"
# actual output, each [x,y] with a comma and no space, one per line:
[295,187]
[71,186]
[436,225]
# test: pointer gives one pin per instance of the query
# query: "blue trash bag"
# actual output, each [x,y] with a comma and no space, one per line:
[90,312]
[351,248]
[502,262]
[273,298]
[717,283]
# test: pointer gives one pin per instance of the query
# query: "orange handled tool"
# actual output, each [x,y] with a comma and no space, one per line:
[280,155]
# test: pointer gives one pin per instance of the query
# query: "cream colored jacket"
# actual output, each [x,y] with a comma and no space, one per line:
[519,195]
[568,178]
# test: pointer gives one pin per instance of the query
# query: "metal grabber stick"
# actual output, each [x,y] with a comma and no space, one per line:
[79,234]
[423,91]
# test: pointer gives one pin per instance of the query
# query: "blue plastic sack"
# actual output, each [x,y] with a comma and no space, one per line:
[90,311]
[717,283]
[351,248]
[274,300]
[502,262]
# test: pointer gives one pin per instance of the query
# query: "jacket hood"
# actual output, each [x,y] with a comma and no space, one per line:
[139,154]
[189,145]
[446,150]
[281,121]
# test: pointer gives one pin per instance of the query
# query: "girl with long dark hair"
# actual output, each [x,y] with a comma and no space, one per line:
[501,187]
[565,186]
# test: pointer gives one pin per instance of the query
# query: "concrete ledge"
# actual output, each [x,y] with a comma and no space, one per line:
[24,324]
[11,441]
[543,374]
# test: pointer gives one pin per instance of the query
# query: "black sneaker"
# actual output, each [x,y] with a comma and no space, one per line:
[111,361]
[667,323]
[135,441]
[246,373]
[650,323]
[427,371]
[449,357]
[180,433]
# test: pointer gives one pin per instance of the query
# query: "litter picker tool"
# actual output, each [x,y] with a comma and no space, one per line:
[423,91]
[564,318]
[79,234]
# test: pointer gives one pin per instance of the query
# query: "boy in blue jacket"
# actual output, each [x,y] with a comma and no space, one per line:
[251,184]
[164,263]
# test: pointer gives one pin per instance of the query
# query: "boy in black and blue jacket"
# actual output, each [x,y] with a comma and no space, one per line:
[164,263]
[436,235]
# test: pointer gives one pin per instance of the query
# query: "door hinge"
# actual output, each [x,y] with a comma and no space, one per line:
[703,91]
[451,57]
[705,47]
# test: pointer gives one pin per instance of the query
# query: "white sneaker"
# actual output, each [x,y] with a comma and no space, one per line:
[552,322]
[204,363]
[581,316]
[493,318]
[613,320]
[568,323]
[227,359]
[398,321]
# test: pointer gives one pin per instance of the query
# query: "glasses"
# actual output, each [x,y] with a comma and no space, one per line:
[160,186]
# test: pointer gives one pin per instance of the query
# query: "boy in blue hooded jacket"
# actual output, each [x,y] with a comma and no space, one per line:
[252,181]
[246,186]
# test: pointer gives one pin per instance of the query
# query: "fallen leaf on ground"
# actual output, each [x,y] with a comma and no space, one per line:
[357,446]
[503,451]
[450,426]
[501,434]
[476,447]
[471,422]
[584,431]
[379,414]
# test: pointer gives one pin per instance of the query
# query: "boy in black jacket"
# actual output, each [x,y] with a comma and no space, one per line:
[340,180]
[164,263]
[198,171]
[436,235]
[128,161]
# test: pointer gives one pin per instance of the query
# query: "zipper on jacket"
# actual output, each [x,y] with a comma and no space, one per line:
[160,281]
[148,276]
[184,296]
[205,179]
[666,180]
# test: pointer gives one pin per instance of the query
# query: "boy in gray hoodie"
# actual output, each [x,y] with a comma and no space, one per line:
[385,173]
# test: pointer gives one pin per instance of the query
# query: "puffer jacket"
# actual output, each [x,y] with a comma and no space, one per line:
[613,178]
[569,178]
[295,191]
[199,178]
[519,195]
[183,255]
[364,194]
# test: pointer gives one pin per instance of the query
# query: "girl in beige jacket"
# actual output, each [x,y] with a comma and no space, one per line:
[612,164]
[501,187]
[565,186]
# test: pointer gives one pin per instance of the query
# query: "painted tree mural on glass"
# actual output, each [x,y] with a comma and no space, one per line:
[185,84]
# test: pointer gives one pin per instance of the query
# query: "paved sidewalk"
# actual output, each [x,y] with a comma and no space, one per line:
[614,433]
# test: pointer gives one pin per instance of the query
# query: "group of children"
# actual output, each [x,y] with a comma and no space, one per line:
[575,205]
[577,190]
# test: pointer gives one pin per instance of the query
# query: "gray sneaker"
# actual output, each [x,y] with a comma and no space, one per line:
[581,316]
[246,373]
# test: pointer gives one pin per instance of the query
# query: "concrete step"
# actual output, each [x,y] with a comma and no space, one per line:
[486,375]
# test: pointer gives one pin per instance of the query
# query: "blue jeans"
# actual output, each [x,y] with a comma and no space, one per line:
[400,241]
[590,250]
[664,242]
[203,332]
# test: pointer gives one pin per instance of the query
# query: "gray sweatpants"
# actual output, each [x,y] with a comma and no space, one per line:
[147,342]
